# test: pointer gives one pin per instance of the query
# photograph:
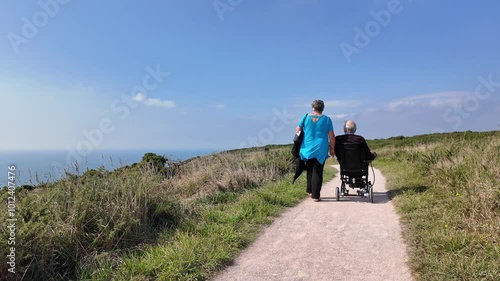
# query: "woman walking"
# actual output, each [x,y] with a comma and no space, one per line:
[318,133]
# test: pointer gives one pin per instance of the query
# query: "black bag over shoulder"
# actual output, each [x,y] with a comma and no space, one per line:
[298,139]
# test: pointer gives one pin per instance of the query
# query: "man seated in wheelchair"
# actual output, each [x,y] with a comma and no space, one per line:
[353,155]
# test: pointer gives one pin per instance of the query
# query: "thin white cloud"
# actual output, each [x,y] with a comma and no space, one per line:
[220,105]
[393,105]
[339,116]
[343,103]
[140,97]
[338,103]
[433,100]
[159,103]
[438,95]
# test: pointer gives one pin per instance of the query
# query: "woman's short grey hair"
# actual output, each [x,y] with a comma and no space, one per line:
[350,127]
[318,105]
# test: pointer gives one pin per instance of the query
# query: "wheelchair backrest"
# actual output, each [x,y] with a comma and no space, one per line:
[353,157]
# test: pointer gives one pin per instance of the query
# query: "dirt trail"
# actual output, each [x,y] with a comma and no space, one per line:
[328,240]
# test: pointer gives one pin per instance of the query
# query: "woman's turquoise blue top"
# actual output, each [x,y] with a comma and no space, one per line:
[315,144]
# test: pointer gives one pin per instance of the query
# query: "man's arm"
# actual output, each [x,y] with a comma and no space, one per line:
[369,155]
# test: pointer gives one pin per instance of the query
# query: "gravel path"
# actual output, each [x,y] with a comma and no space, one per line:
[328,240]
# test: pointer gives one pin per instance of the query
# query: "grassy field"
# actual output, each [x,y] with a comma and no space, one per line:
[163,220]
[155,220]
[446,187]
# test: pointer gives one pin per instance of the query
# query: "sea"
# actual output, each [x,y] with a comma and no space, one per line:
[32,167]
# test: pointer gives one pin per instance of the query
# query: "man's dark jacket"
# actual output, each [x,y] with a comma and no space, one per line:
[351,138]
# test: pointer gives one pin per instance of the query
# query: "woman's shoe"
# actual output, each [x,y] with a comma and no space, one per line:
[310,194]
[317,200]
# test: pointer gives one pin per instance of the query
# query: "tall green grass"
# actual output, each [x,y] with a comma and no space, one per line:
[157,219]
[447,189]
[220,226]
[64,223]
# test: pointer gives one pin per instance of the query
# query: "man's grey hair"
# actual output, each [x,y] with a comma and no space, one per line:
[350,127]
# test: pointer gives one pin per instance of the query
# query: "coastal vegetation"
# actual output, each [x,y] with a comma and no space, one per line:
[446,188]
[166,220]
[157,219]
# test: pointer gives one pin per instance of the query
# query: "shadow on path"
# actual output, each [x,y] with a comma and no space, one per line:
[378,198]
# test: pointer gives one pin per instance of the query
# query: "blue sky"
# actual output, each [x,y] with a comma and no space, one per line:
[235,73]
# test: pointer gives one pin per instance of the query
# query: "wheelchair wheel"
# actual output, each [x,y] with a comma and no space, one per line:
[337,194]
[370,194]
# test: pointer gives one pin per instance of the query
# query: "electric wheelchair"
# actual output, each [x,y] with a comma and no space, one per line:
[354,171]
